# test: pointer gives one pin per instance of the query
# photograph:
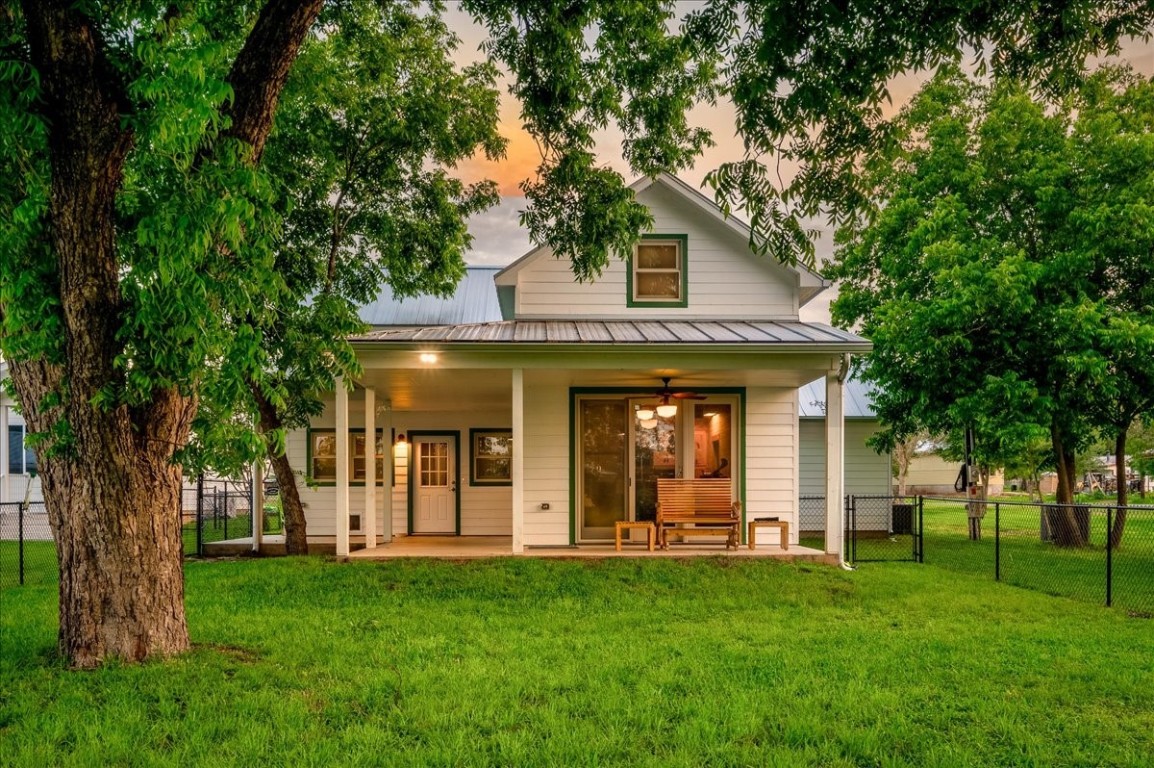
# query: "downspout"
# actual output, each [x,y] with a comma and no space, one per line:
[842,375]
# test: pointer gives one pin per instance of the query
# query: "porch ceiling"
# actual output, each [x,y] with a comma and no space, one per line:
[441,389]
[472,389]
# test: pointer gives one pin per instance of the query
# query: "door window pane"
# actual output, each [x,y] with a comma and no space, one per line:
[655,455]
[433,463]
[603,462]
[713,440]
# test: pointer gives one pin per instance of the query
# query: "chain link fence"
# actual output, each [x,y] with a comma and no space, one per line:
[27,552]
[1093,552]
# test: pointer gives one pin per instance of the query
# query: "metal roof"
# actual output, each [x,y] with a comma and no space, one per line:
[858,399]
[614,332]
[475,301]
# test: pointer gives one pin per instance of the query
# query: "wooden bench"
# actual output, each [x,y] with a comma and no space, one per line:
[697,507]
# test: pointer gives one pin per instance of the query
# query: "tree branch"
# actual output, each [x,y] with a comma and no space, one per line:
[261,68]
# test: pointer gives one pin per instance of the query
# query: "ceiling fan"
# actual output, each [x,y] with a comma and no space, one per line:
[665,409]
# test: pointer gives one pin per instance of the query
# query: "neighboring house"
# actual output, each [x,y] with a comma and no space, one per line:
[17,462]
[932,475]
[518,412]
[867,473]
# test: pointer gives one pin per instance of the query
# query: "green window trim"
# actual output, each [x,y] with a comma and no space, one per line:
[682,241]
[474,433]
[326,483]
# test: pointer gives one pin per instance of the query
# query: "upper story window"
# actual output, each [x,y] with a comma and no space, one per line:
[657,272]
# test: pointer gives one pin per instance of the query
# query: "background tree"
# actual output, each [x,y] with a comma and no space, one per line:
[980,281]
[903,452]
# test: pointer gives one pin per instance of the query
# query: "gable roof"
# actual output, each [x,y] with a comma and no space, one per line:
[811,282]
[475,301]
[858,399]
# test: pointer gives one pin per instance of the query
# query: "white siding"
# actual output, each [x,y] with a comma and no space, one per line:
[866,472]
[771,440]
[485,511]
[725,279]
[546,462]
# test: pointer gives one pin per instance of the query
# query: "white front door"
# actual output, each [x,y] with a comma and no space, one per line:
[434,484]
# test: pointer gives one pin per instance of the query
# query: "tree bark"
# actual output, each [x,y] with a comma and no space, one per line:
[295,533]
[1119,527]
[113,491]
[1068,528]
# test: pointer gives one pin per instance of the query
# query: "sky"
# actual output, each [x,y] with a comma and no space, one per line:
[498,238]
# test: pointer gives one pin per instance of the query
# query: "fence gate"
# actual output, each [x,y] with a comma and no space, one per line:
[883,528]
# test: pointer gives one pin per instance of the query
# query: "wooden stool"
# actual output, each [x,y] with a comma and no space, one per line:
[781,525]
[649,528]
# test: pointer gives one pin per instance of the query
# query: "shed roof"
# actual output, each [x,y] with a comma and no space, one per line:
[858,399]
[475,301]
[618,332]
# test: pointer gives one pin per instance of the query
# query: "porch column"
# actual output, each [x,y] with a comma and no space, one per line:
[518,461]
[387,480]
[257,502]
[834,463]
[342,487]
[369,516]
[3,450]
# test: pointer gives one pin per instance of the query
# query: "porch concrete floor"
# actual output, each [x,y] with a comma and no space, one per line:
[473,547]
[460,547]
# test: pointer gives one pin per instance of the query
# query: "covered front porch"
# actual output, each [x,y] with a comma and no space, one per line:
[507,447]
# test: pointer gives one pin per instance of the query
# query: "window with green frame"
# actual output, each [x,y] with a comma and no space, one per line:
[657,275]
[491,457]
[323,456]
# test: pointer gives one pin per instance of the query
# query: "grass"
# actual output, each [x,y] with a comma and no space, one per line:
[1029,562]
[620,662]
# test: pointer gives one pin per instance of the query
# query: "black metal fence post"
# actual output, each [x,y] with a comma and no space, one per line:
[852,501]
[199,515]
[20,536]
[921,530]
[1110,519]
[997,541]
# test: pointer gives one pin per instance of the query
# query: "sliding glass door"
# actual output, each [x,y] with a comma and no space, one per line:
[621,456]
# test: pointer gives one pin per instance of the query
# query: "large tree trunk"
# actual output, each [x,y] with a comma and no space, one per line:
[1067,523]
[113,491]
[295,534]
[1119,526]
[113,496]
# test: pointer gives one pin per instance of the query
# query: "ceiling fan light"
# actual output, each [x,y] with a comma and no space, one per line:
[647,423]
[645,414]
[667,410]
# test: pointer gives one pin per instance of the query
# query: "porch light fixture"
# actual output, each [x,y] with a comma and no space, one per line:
[401,447]
[667,410]
[428,358]
[645,413]
[647,423]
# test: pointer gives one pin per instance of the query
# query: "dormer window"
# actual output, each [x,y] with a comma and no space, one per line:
[657,272]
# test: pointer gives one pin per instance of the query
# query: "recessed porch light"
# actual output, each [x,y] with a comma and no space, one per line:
[428,358]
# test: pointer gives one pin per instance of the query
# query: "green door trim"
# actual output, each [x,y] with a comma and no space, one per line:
[454,433]
[575,392]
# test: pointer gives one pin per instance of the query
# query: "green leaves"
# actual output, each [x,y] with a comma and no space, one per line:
[580,66]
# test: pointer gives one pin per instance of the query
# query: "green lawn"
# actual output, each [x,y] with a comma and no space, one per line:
[622,662]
